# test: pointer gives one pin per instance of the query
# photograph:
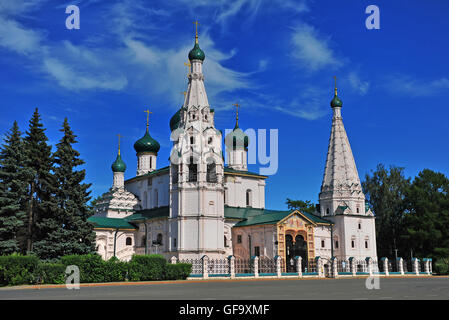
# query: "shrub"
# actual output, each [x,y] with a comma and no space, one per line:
[441,266]
[91,266]
[115,270]
[16,269]
[147,267]
[50,273]
[179,271]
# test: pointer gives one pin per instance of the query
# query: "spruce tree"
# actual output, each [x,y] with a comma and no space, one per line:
[41,184]
[66,226]
[13,190]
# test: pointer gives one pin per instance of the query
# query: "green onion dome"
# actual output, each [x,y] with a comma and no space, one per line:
[196,53]
[336,102]
[237,138]
[175,121]
[146,144]
[118,165]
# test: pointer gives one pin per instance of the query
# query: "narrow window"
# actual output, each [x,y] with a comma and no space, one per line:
[360,226]
[322,243]
[129,241]
[174,242]
[352,244]
[257,251]
[248,198]
[239,238]
[225,242]
[358,210]
[192,171]
[159,239]
[336,244]
[366,244]
[210,140]
[327,210]
[211,175]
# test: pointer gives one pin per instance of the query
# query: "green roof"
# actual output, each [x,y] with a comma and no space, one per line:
[254,216]
[147,144]
[115,223]
[159,212]
[230,170]
[149,174]
[118,165]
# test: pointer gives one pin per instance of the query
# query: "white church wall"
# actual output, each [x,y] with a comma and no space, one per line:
[236,188]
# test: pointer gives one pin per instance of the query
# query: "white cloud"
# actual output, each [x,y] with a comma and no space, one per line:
[405,84]
[311,50]
[357,84]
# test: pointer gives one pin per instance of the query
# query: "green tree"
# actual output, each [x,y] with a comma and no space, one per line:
[12,191]
[385,191]
[303,206]
[66,226]
[427,223]
[41,184]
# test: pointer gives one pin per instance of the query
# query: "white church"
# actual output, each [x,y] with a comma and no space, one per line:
[198,206]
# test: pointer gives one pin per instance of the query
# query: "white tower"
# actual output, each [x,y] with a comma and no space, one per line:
[237,146]
[341,198]
[196,172]
[146,149]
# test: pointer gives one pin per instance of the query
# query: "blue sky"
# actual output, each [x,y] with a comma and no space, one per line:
[276,57]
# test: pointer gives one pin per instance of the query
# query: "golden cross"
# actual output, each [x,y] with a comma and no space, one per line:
[119,136]
[148,117]
[187,64]
[196,30]
[237,106]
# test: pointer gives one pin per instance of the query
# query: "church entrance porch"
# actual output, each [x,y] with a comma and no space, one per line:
[295,247]
[295,239]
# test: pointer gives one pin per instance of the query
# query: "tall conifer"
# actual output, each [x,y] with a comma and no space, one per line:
[66,226]
[41,185]
[13,190]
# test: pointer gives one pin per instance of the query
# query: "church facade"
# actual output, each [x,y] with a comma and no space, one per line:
[199,206]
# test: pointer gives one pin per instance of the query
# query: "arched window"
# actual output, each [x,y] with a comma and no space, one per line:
[129,241]
[193,170]
[249,199]
[159,239]
[327,210]
[211,172]
[225,242]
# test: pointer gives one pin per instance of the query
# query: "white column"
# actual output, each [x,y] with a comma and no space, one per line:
[387,272]
[205,260]
[415,262]
[319,267]
[256,266]
[369,263]
[278,266]
[400,265]
[353,267]
[299,266]
[334,267]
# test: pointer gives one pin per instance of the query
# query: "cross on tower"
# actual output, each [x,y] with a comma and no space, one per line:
[119,136]
[196,23]
[187,64]
[148,117]
[237,106]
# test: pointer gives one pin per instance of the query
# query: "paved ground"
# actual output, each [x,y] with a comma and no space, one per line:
[390,288]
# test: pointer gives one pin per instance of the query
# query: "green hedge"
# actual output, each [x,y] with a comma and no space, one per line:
[50,273]
[17,270]
[441,266]
[179,271]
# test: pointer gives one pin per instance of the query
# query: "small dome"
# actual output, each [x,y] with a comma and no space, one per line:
[118,165]
[336,102]
[236,139]
[175,120]
[146,144]
[196,53]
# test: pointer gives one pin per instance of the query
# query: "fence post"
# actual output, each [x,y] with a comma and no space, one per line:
[387,272]
[277,259]
[231,266]
[369,263]
[299,265]
[319,267]
[400,263]
[205,266]
[334,266]
[173,260]
[415,262]
[255,262]
[352,266]
[430,266]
